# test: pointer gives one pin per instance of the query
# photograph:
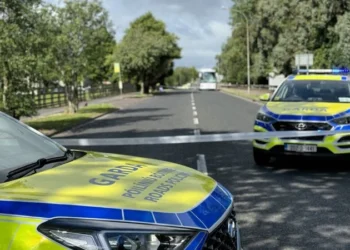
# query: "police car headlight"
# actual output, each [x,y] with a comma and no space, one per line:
[96,235]
[264,118]
[342,120]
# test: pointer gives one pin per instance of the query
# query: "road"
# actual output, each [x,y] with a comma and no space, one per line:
[296,205]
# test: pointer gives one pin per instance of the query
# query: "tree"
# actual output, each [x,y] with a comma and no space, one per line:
[83,39]
[278,31]
[341,50]
[147,51]
[19,40]
[181,76]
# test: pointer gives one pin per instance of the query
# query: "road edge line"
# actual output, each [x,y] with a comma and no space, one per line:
[242,98]
[202,164]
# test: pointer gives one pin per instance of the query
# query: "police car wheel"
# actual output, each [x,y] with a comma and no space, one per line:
[260,158]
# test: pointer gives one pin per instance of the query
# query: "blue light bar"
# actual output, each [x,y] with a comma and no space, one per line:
[326,71]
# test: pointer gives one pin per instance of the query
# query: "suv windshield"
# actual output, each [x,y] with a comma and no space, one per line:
[21,145]
[313,91]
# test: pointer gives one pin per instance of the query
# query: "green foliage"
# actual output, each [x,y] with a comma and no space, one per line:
[19,44]
[181,76]
[41,44]
[281,29]
[147,51]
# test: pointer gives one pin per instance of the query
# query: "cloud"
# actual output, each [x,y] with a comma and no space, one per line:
[201,25]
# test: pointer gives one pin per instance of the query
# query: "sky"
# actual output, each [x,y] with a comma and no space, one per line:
[201,25]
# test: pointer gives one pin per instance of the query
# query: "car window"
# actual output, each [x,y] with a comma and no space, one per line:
[313,91]
[22,145]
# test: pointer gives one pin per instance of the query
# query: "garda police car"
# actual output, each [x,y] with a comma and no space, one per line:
[55,198]
[316,101]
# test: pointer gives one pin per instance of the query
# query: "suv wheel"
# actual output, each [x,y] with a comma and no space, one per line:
[260,158]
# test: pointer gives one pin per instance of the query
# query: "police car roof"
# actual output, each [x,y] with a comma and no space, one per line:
[329,77]
[334,74]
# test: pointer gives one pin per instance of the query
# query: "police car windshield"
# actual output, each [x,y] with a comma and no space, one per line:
[21,145]
[313,91]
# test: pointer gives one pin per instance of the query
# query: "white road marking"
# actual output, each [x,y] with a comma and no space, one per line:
[242,98]
[192,138]
[201,164]
[195,121]
[194,108]
[197,132]
[195,113]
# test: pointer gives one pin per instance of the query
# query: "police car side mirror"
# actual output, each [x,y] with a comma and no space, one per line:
[264,97]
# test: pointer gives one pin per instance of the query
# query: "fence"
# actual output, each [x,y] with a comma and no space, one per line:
[56,97]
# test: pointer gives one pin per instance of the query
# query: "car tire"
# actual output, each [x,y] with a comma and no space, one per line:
[260,158]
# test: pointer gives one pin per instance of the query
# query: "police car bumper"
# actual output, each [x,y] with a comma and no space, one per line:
[314,147]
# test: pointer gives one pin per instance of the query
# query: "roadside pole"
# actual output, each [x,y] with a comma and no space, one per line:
[118,71]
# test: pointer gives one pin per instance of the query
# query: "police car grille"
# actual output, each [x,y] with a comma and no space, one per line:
[219,239]
[310,126]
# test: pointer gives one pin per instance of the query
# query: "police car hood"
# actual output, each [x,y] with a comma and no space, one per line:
[118,181]
[306,108]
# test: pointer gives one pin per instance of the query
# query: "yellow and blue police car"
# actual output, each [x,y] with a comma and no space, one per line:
[55,198]
[311,100]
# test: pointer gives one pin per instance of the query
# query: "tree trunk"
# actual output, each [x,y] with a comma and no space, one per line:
[146,89]
[142,88]
[72,98]
[5,82]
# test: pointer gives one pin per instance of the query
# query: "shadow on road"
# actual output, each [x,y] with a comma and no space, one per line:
[174,92]
[139,110]
[292,206]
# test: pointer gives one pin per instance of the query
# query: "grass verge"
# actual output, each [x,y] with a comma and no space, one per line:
[254,94]
[54,124]
[140,95]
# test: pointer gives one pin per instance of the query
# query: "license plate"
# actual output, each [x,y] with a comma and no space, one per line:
[300,148]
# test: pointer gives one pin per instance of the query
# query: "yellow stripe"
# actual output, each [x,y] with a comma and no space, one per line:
[8,231]
[28,238]
[318,77]
[20,220]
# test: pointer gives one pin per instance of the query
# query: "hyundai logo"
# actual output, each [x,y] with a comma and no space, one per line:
[301,126]
[231,228]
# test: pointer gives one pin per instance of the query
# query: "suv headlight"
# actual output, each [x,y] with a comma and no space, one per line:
[264,118]
[96,235]
[342,120]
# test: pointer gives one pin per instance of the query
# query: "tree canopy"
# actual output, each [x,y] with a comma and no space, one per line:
[42,43]
[147,51]
[181,76]
[279,30]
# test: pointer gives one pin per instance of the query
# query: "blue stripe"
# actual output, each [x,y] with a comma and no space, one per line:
[190,220]
[198,242]
[196,218]
[209,211]
[221,197]
[44,210]
[166,218]
[139,216]
[269,113]
[302,117]
[342,127]
[263,125]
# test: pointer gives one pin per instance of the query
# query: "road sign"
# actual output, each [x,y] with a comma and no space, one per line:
[116,68]
[304,59]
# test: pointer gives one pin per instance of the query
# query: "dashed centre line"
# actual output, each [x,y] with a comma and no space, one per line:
[195,115]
